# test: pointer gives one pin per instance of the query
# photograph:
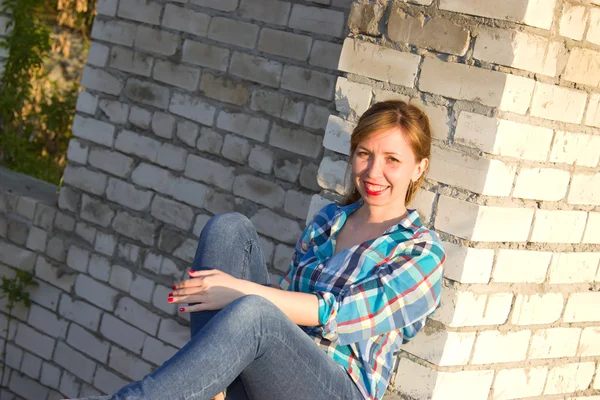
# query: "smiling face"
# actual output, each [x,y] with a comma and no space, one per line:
[383,165]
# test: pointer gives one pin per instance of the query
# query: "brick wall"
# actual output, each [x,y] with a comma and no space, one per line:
[512,90]
[189,108]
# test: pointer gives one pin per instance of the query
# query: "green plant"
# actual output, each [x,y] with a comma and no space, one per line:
[14,290]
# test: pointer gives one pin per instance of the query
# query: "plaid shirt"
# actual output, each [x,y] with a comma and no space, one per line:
[373,297]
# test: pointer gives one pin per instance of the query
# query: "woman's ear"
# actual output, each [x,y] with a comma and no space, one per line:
[420,169]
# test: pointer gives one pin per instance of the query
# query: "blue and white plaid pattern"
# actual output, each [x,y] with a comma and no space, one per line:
[372,297]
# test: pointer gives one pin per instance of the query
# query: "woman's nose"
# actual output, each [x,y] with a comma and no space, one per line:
[374,168]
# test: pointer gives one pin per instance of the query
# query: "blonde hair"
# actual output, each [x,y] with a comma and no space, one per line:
[393,114]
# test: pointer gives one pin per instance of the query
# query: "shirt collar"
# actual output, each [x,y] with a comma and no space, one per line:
[410,221]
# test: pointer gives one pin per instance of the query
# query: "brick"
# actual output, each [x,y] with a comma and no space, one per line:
[234,32]
[185,20]
[132,143]
[137,315]
[140,117]
[141,288]
[332,175]
[243,124]
[187,132]
[173,333]
[14,356]
[316,117]
[127,364]
[86,102]
[537,309]
[121,333]
[50,375]
[128,252]
[223,89]
[256,69]
[134,228]
[583,67]
[64,222]
[519,382]
[365,18]
[270,224]
[172,212]
[116,112]
[271,11]
[373,61]
[589,344]
[572,21]
[521,266]
[159,300]
[435,33]
[442,348]
[592,116]
[519,50]
[185,252]
[464,82]
[468,265]
[277,105]
[99,268]
[77,311]
[107,381]
[78,258]
[141,11]
[77,151]
[287,168]
[205,55]
[227,5]
[593,33]
[56,249]
[110,161]
[156,41]
[569,378]
[18,232]
[87,390]
[483,223]
[120,278]
[193,108]
[575,148]
[105,243]
[503,137]
[209,172]
[156,351]
[497,347]
[580,307]
[152,177]
[88,343]
[69,385]
[539,14]
[130,61]
[190,192]
[95,211]
[542,184]
[31,365]
[261,159]
[36,240]
[480,175]
[107,7]
[235,149]
[572,224]
[117,32]
[177,75]
[554,343]
[128,195]
[585,189]
[259,190]
[163,124]
[96,293]
[93,130]
[25,387]
[68,199]
[210,141]
[201,221]
[172,157]
[82,178]
[96,79]
[317,20]
[558,103]
[283,257]
[592,231]
[296,141]
[47,322]
[351,98]
[284,44]
[35,342]
[470,309]
[309,82]
[98,54]
[147,93]
[325,54]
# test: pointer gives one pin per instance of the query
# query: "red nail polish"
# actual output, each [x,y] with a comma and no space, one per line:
[170,294]
[170,299]
[181,309]
[173,287]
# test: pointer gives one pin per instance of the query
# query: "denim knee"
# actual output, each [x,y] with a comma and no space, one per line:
[251,307]
[228,224]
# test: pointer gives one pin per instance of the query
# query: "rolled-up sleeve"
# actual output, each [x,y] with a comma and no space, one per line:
[400,293]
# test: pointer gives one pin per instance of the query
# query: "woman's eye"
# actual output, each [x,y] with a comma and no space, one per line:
[393,160]
[362,154]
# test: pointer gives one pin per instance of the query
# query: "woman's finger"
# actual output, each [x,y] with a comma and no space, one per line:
[187,291]
[189,283]
[194,298]
[202,272]
[197,307]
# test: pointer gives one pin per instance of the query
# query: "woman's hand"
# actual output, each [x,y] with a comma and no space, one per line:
[212,289]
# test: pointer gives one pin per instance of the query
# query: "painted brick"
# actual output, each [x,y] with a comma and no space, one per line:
[177,75]
[256,69]
[554,343]
[271,11]
[539,14]
[193,108]
[442,348]
[234,32]
[593,33]
[173,333]
[496,347]
[210,172]
[35,342]
[537,309]
[589,344]
[373,61]
[558,103]
[585,189]
[80,312]
[464,82]
[296,141]
[519,50]
[575,148]
[470,309]
[542,184]
[156,41]
[573,267]
[47,322]
[140,10]
[93,130]
[96,211]
[140,117]
[467,264]
[130,366]
[569,378]
[186,20]
[581,307]
[98,54]
[583,67]
[187,132]
[107,381]
[121,333]
[134,228]
[227,5]
[128,195]
[592,231]
[332,175]
[205,55]
[558,226]
[223,89]
[521,266]
[110,161]
[519,382]
[86,102]
[156,351]
[130,61]
[77,151]
[325,54]
[272,225]
[572,21]
[317,20]
[284,44]
[147,93]
[277,105]
[243,124]
[117,32]
[235,149]
[100,80]
[133,143]
[435,33]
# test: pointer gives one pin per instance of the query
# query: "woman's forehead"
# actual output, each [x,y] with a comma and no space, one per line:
[388,138]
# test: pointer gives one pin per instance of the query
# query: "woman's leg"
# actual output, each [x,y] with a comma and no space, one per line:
[253,339]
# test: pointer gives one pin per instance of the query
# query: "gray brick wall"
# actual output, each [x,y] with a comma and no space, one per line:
[189,108]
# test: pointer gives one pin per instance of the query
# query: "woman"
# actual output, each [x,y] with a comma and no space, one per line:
[363,280]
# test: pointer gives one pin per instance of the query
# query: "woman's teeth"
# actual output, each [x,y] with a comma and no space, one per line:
[375,188]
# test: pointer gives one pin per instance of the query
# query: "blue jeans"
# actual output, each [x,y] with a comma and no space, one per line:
[250,344]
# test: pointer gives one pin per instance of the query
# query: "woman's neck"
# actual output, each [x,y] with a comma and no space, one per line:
[380,215]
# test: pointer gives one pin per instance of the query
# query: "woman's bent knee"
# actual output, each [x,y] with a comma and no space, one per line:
[228,224]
